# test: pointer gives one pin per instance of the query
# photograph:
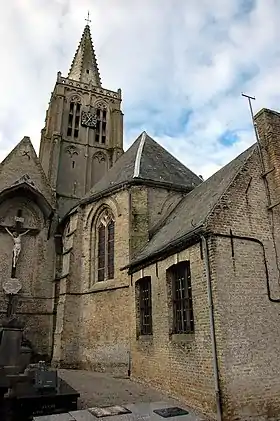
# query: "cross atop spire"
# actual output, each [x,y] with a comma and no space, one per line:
[88,21]
[84,66]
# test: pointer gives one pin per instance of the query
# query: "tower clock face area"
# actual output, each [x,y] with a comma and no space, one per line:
[89,119]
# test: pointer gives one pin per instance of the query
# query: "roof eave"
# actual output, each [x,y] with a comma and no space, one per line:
[41,201]
[187,240]
[136,181]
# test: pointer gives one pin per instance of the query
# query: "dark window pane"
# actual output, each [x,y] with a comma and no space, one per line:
[110,250]
[76,133]
[103,139]
[182,298]
[145,303]
[101,275]
[101,253]
[71,107]
[97,137]
[69,131]
[77,121]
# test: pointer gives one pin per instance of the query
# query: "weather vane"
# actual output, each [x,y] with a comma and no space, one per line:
[88,19]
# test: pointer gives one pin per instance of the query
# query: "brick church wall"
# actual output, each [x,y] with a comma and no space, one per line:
[246,320]
[179,366]
[95,327]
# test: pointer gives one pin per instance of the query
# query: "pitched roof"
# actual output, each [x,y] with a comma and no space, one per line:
[26,186]
[193,210]
[84,65]
[148,161]
[22,165]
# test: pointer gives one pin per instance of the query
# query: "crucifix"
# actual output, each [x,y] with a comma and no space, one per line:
[13,286]
[17,232]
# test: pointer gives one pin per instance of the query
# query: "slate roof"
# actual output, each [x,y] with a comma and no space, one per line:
[146,160]
[84,66]
[193,210]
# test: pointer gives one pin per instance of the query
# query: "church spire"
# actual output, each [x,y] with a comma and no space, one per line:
[84,65]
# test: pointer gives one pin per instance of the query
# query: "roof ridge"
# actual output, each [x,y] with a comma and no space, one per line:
[139,155]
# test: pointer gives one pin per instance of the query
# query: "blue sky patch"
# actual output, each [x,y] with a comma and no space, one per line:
[228,138]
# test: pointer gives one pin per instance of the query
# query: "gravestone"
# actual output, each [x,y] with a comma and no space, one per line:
[45,379]
[10,344]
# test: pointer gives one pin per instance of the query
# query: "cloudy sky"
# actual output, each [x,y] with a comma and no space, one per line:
[182,65]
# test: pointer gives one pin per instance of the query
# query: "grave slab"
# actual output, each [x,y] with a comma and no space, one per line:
[56,417]
[82,415]
[139,412]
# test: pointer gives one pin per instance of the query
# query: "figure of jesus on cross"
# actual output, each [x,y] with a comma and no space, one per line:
[16,235]
[17,244]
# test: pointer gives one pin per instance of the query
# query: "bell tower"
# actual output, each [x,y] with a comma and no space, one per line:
[83,133]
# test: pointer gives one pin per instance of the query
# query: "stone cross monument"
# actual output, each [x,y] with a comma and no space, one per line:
[16,232]
[13,285]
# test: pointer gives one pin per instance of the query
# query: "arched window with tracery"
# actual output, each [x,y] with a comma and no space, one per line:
[105,246]
[101,125]
[74,117]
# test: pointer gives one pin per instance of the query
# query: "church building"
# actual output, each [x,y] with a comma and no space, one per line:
[128,262]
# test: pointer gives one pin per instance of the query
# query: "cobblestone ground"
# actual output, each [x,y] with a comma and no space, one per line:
[99,389]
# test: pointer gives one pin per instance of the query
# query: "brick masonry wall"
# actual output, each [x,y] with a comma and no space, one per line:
[247,323]
[93,323]
[138,214]
[183,369]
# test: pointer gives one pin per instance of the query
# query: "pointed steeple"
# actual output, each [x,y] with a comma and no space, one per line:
[84,65]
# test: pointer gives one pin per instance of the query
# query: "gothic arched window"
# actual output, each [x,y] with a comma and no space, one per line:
[74,117]
[105,246]
[101,125]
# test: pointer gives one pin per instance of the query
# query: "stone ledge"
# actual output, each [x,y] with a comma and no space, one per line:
[107,285]
[182,338]
[145,338]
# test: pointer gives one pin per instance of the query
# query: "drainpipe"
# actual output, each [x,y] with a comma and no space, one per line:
[212,329]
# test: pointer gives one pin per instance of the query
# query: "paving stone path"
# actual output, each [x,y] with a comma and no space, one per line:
[99,389]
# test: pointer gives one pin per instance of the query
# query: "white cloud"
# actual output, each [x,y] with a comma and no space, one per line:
[168,56]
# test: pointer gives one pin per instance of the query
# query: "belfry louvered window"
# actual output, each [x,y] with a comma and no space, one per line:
[179,276]
[105,247]
[74,119]
[101,125]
